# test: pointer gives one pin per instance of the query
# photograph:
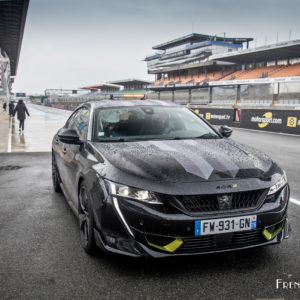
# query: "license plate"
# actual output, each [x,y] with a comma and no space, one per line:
[216,226]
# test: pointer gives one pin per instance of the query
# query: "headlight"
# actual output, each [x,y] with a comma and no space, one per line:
[278,185]
[125,191]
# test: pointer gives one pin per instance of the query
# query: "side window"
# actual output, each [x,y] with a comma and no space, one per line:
[70,120]
[79,122]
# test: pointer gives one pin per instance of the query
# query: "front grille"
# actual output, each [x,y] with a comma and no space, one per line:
[211,203]
[221,241]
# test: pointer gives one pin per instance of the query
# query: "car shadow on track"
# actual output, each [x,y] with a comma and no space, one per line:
[236,261]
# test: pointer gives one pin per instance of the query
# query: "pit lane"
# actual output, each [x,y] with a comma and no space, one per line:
[41,256]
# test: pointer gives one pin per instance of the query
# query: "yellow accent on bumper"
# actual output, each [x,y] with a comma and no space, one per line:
[270,235]
[171,247]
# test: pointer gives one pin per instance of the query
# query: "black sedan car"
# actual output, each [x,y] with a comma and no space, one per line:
[151,178]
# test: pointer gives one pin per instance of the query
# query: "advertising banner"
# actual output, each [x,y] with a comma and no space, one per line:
[286,121]
[255,81]
[216,116]
[20,94]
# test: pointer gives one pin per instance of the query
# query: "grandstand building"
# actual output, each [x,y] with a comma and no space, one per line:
[12,22]
[70,99]
[204,69]
[131,88]
[5,76]
[104,88]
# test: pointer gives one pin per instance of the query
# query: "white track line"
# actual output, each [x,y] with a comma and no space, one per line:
[295,201]
[265,131]
[9,136]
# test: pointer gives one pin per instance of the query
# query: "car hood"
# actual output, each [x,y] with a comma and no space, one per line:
[183,160]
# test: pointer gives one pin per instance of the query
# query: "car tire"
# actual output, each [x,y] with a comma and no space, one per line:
[86,220]
[55,176]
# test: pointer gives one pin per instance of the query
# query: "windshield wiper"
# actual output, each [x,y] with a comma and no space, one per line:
[117,140]
[204,136]
[122,139]
[177,138]
[207,136]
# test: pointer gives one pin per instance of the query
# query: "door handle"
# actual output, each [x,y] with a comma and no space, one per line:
[64,151]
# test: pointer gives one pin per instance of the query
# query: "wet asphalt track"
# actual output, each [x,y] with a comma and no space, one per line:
[41,256]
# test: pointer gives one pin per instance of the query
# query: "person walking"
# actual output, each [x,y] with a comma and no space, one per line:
[21,111]
[11,108]
[4,106]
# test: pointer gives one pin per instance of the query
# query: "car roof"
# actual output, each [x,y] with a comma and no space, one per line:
[122,103]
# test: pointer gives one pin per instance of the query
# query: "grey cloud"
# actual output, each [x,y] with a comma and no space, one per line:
[70,43]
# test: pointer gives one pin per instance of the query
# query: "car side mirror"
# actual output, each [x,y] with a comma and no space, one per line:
[225,131]
[69,136]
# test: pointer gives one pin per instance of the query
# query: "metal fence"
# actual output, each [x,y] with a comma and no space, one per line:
[284,93]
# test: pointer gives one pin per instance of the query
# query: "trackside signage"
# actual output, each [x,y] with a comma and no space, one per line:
[216,116]
[286,121]
[255,81]
[265,120]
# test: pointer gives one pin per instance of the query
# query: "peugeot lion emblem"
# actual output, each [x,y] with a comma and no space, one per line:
[224,202]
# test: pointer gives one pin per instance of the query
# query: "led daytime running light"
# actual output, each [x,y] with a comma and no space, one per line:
[133,193]
[278,185]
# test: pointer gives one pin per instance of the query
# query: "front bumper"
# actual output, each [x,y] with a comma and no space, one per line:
[136,229]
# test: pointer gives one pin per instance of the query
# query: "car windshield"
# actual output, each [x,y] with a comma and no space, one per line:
[149,123]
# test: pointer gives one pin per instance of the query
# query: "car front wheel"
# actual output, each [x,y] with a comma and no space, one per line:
[86,220]
[55,176]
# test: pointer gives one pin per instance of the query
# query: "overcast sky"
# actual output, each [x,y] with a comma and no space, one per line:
[72,43]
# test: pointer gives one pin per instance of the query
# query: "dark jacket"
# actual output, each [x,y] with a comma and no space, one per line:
[11,108]
[21,109]
[4,105]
